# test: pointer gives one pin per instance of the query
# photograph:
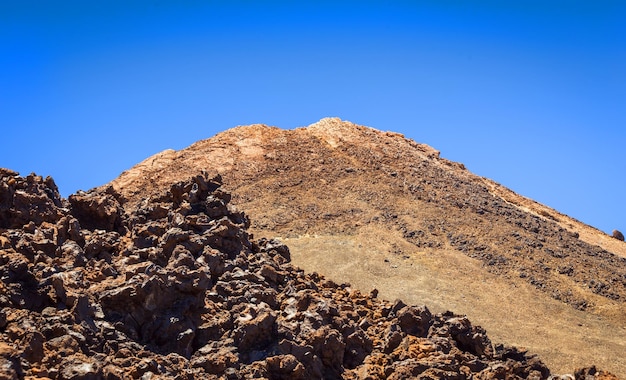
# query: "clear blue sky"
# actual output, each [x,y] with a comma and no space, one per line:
[531,94]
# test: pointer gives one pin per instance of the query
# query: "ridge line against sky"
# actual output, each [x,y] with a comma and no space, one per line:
[530,94]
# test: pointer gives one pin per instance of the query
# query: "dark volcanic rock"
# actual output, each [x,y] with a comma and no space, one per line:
[95,210]
[176,288]
[31,199]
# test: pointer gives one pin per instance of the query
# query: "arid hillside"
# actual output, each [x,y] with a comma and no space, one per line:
[92,287]
[381,211]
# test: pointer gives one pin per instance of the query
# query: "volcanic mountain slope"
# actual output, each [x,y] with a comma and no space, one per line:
[174,288]
[379,210]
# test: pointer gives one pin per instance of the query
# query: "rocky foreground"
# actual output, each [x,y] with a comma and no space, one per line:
[176,288]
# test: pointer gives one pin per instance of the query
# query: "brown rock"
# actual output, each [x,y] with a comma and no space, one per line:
[30,199]
[32,345]
[414,320]
[254,328]
[80,368]
[216,357]
[591,373]
[96,210]
[285,367]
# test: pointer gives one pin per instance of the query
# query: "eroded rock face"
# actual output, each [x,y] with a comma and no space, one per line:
[177,288]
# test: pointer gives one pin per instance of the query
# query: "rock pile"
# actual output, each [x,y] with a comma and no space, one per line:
[176,288]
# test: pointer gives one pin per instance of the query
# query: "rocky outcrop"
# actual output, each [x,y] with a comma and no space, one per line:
[31,199]
[175,287]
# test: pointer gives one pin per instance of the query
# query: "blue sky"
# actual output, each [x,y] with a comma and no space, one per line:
[531,94]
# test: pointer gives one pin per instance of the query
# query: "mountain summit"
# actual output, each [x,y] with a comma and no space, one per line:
[382,211]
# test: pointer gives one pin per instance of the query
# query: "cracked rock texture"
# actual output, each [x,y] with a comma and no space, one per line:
[175,287]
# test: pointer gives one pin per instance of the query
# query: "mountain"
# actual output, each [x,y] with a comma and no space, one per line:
[378,210]
[269,253]
[175,288]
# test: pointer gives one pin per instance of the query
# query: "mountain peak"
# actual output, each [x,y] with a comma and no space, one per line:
[332,125]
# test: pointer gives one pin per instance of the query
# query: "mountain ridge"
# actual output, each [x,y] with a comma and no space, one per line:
[332,130]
